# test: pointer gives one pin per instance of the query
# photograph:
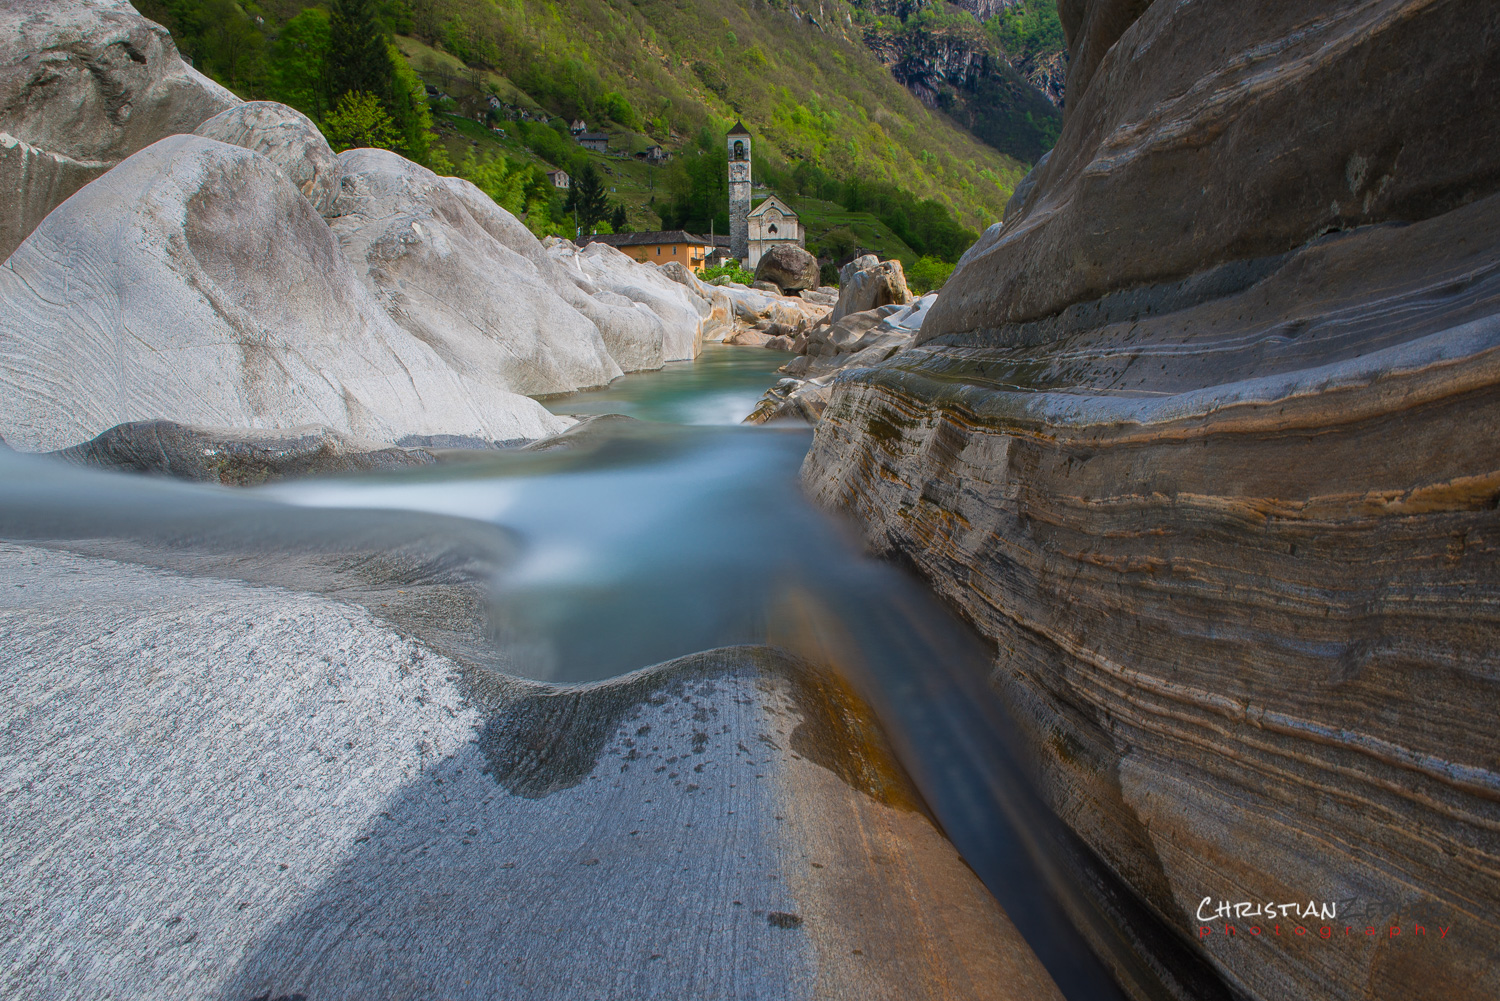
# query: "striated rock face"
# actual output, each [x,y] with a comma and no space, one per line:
[194,283]
[485,309]
[289,139]
[84,84]
[1202,440]
[1168,166]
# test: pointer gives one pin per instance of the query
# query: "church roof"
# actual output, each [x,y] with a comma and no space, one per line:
[773,202]
[739,130]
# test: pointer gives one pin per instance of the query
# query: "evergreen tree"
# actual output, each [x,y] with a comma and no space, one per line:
[586,199]
[618,221]
[357,56]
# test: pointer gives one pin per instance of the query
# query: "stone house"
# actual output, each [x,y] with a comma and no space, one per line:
[596,141]
[559,178]
[579,127]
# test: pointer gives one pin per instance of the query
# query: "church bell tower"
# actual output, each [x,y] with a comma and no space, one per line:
[739,193]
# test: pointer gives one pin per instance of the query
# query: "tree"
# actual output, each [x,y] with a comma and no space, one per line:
[360,121]
[618,221]
[300,61]
[586,198]
[357,56]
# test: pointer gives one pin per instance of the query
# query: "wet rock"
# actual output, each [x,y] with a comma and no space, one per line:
[289,139]
[415,238]
[194,283]
[314,770]
[790,269]
[237,456]
[866,283]
[84,84]
[1218,485]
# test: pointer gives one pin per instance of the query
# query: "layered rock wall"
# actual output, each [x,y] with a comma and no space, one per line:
[1202,440]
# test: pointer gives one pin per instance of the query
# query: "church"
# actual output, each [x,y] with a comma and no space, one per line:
[772,222]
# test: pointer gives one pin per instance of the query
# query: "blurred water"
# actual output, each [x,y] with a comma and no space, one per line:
[720,387]
[650,540]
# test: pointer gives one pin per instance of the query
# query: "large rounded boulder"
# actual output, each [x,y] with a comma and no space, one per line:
[194,283]
[417,242]
[789,268]
[291,141]
[84,84]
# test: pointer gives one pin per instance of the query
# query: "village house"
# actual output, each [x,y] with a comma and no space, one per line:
[579,127]
[559,178]
[596,141]
[653,155]
[660,247]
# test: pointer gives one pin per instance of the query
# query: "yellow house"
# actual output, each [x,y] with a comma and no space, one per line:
[659,248]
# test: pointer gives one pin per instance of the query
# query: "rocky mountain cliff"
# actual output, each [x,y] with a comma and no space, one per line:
[1201,439]
[951,63]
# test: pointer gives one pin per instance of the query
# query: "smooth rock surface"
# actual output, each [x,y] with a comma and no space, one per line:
[289,138]
[194,283]
[1169,165]
[614,278]
[442,276]
[274,793]
[790,269]
[84,84]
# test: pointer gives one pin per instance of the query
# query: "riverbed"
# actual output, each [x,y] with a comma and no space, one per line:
[648,539]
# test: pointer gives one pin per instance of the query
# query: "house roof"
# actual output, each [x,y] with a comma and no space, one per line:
[636,239]
[739,130]
[594,137]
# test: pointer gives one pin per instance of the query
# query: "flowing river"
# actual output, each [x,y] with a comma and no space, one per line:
[653,538]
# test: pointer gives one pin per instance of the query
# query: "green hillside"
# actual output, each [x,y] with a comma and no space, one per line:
[649,71]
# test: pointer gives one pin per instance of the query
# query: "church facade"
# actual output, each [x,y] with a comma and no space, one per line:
[773,222]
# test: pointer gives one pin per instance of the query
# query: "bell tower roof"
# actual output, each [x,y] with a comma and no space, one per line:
[739,130]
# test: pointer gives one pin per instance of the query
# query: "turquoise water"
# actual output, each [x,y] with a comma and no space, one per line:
[721,387]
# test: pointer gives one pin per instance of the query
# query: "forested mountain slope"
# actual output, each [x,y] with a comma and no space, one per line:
[804,79]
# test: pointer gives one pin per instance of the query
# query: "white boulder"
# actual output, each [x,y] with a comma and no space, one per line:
[84,84]
[289,138]
[417,241]
[194,283]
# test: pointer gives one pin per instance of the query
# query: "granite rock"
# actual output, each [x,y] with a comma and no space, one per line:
[194,283]
[321,785]
[289,139]
[789,268]
[416,240]
[84,84]
[866,283]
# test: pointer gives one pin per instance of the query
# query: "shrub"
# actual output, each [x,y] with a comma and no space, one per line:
[928,275]
[729,270]
[360,121]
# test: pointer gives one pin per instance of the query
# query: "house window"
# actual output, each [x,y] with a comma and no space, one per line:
[674,251]
[658,251]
